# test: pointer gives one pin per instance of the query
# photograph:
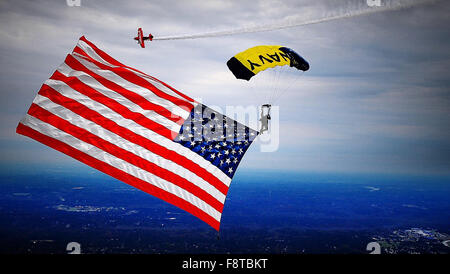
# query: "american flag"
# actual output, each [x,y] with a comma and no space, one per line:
[139,130]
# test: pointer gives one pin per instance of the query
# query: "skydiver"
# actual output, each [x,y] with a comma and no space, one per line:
[265,118]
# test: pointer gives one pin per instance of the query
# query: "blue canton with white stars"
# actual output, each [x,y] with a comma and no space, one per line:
[217,138]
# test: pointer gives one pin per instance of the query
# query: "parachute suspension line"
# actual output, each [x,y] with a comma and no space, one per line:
[259,85]
[288,87]
[253,85]
[275,73]
[264,83]
[274,87]
[281,70]
[280,81]
[272,84]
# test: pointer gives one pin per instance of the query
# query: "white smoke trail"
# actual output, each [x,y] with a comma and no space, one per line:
[348,11]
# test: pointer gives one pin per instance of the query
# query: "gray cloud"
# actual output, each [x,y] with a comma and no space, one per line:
[375,100]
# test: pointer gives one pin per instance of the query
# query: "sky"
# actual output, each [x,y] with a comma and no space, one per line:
[375,100]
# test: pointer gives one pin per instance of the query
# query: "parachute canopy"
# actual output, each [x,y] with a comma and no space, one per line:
[250,62]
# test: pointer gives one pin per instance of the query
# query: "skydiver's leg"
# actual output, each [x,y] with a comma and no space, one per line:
[264,125]
[263,128]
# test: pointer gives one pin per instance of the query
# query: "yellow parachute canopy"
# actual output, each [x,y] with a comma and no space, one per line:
[250,62]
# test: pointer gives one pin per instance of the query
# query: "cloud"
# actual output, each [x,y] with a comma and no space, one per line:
[375,99]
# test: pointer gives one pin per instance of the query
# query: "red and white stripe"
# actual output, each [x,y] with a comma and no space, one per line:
[122,122]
